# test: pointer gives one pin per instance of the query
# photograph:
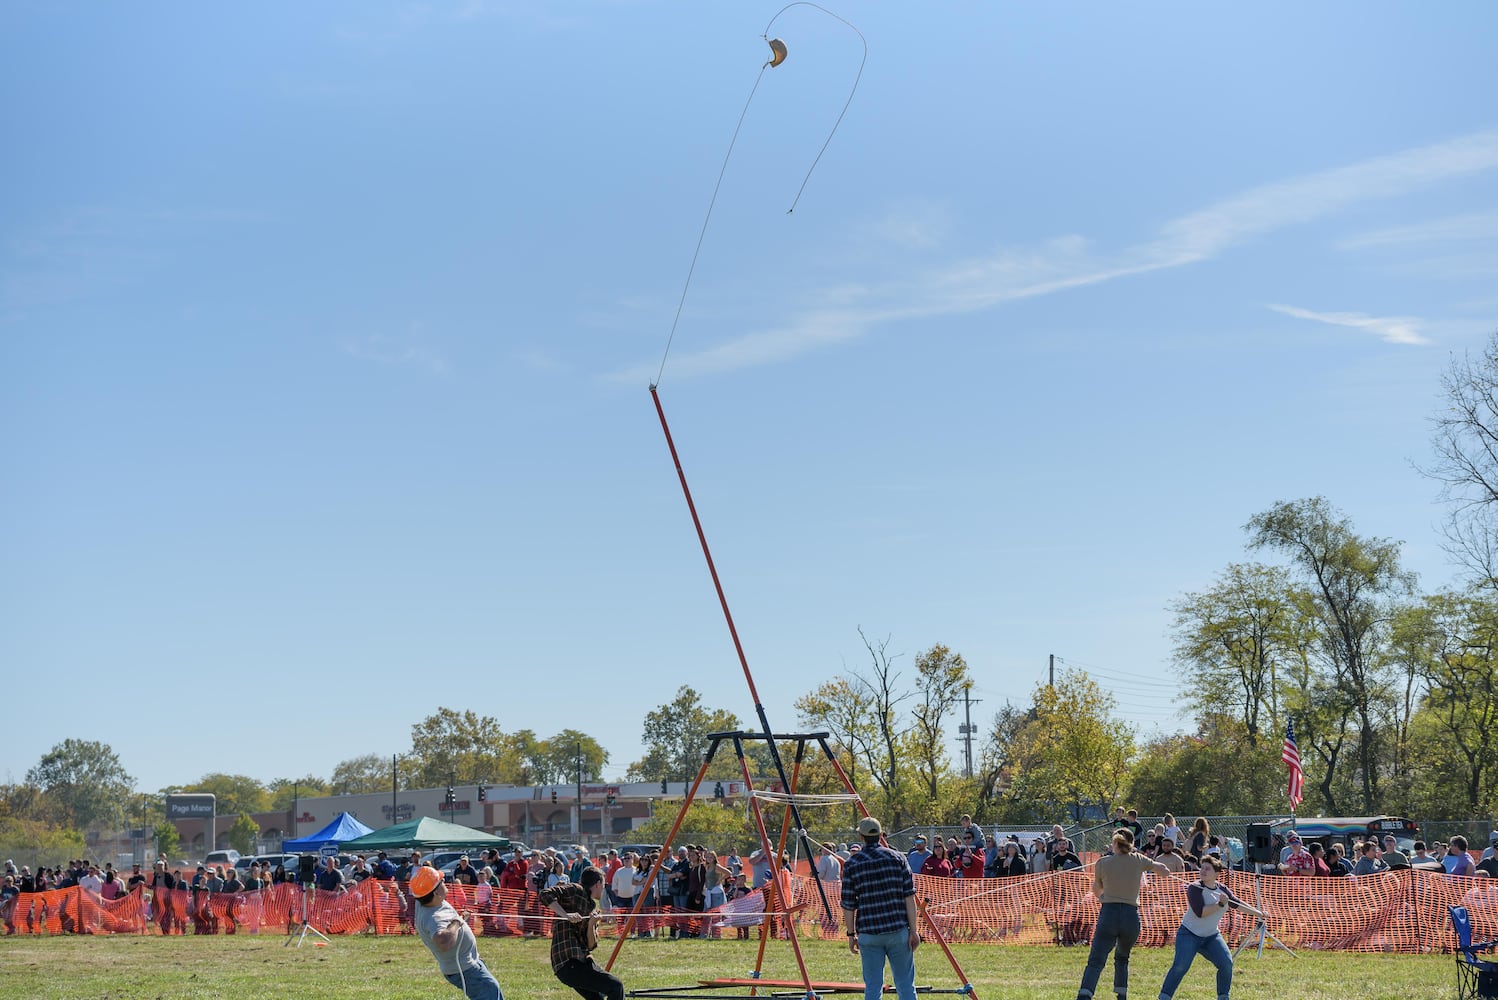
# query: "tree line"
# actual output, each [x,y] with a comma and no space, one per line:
[1393,692]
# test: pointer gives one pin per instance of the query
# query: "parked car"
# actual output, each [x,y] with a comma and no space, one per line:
[226,858]
[640,849]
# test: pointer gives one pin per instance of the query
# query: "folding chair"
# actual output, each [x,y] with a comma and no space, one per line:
[1475,979]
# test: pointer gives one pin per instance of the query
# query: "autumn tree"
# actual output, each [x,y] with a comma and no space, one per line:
[844,709]
[941,678]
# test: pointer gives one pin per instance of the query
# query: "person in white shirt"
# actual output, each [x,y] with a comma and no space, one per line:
[1206,901]
[623,883]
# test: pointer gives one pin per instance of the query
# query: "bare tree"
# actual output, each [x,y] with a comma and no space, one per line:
[884,696]
[1465,442]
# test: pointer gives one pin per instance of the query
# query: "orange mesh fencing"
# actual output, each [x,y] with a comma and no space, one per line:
[1401,911]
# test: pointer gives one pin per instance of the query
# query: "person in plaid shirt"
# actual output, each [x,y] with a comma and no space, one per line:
[573,938]
[879,913]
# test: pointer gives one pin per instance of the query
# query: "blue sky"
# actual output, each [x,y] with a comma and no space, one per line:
[326,330]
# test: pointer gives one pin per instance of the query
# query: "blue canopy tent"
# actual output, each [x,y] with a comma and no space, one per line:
[344,827]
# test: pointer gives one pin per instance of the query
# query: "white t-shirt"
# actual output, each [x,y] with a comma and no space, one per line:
[430,920]
[624,882]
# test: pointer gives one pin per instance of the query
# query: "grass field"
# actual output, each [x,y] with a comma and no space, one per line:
[399,968]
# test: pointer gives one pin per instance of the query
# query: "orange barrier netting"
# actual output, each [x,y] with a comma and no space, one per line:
[1399,911]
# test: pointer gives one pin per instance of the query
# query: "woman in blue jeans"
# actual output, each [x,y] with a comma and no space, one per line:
[1207,901]
[1115,882]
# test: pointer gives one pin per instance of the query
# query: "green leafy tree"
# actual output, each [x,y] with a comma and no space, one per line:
[555,761]
[283,791]
[705,823]
[675,739]
[1452,642]
[1356,582]
[167,840]
[1228,640]
[1215,771]
[232,793]
[86,781]
[1071,750]
[362,775]
[243,834]
[459,747]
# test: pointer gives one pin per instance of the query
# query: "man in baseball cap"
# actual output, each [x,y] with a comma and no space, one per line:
[918,854]
[879,912]
[449,938]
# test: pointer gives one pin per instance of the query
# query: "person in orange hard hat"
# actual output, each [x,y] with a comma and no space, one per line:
[449,938]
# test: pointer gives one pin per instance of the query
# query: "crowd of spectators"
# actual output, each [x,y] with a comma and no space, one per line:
[696,879]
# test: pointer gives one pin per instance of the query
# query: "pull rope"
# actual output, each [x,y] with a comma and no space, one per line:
[777,49]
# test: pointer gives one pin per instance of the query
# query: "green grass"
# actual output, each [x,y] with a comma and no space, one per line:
[399,968]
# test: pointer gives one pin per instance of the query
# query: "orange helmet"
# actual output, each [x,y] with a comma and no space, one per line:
[424,880]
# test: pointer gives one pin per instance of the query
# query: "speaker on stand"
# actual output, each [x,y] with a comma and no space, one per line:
[1258,844]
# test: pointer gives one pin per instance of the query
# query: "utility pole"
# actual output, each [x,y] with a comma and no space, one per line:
[966,730]
[394,794]
[1052,681]
[577,827]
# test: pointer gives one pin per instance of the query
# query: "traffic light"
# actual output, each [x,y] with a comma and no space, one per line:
[610,798]
[451,796]
[553,796]
[663,786]
[482,795]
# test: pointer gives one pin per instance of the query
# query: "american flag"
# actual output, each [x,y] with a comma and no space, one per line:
[1291,756]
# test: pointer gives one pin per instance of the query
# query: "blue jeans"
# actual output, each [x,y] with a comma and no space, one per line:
[1188,946]
[477,984]
[874,950]
[1117,928]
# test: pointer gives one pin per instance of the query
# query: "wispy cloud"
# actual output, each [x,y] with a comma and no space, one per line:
[381,349]
[1473,226]
[1071,262]
[1393,329]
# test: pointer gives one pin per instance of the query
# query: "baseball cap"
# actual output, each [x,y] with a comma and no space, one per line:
[424,880]
[1293,836]
[869,827]
[920,839]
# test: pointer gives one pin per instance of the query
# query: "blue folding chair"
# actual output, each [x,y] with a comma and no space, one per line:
[1475,979]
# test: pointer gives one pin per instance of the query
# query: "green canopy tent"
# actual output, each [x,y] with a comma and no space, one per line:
[426,833]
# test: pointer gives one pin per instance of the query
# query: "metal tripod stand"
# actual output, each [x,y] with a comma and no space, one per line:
[306,927]
[1261,932]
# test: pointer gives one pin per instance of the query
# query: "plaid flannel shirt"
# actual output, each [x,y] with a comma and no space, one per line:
[876,883]
[569,941]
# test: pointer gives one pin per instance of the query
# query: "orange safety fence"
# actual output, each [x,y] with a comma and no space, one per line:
[1400,911]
